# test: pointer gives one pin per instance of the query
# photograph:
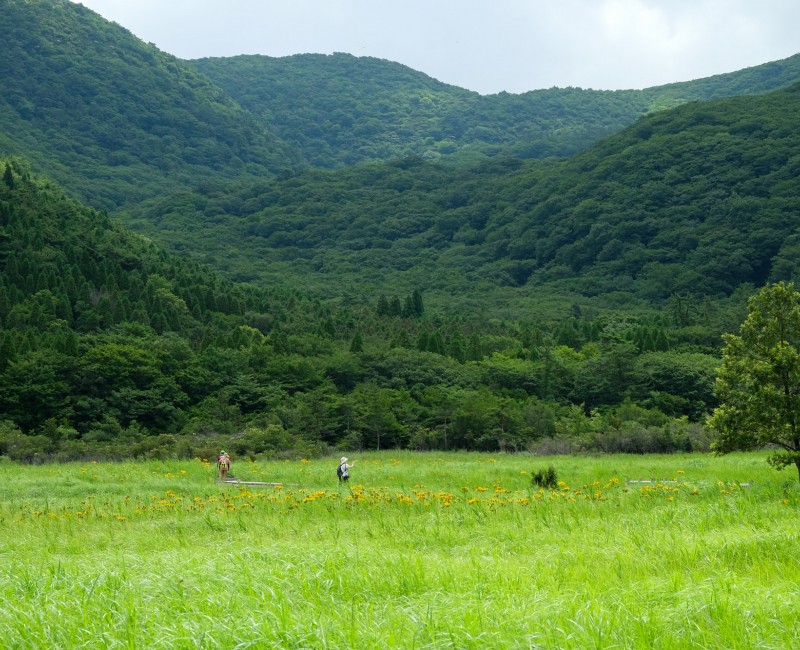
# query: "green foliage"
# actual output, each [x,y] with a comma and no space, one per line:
[545,478]
[117,121]
[568,306]
[339,109]
[114,119]
[678,211]
[759,381]
[112,348]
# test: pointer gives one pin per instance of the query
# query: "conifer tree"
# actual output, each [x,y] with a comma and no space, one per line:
[383,306]
[8,177]
[456,347]
[408,308]
[395,307]
[357,344]
[474,348]
[422,341]
[418,309]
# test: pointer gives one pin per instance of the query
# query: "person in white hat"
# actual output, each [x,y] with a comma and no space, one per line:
[342,471]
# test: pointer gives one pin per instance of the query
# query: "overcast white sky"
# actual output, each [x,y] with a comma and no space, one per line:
[485,45]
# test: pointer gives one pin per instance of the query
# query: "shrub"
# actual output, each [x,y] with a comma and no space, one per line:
[547,478]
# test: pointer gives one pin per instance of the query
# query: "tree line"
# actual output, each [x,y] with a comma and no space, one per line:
[112,347]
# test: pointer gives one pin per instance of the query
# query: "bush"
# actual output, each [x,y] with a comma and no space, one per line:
[547,478]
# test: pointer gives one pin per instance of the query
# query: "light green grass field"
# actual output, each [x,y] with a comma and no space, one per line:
[420,551]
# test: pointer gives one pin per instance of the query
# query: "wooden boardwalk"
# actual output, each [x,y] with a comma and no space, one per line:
[233,481]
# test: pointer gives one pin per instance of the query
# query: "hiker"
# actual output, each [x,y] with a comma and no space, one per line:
[223,465]
[342,470]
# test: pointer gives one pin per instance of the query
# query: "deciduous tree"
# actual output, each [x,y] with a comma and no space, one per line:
[759,382]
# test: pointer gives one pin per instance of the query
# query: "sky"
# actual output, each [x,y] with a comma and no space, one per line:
[487,46]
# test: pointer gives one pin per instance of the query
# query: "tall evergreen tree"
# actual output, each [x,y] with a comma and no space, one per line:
[417,307]
[357,344]
[8,177]
[383,306]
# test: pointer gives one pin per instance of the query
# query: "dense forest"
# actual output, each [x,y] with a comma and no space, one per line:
[699,199]
[192,255]
[339,110]
[112,347]
[114,119]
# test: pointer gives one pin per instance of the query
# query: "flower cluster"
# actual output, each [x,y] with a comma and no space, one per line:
[289,498]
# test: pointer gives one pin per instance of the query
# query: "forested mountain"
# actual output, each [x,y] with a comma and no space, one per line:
[468,295]
[115,119]
[340,109]
[109,347]
[698,199]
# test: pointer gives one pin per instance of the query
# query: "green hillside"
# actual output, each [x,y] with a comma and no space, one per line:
[110,347]
[116,121]
[112,118]
[700,199]
[341,109]
[503,302]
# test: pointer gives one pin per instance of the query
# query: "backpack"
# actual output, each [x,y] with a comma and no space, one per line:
[340,471]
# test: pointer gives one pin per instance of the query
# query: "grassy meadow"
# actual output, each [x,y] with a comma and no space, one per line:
[420,551]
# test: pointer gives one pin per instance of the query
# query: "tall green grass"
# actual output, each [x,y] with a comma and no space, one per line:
[419,551]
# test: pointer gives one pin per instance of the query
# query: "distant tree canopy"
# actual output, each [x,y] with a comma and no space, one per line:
[114,119]
[110,347]
[464,286]
[339,110]
[700,200]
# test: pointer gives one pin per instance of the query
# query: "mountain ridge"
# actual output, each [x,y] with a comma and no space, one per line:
[195,169]
[117,121]
[113,118]
[570,303]
[327,106]
[602,222]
